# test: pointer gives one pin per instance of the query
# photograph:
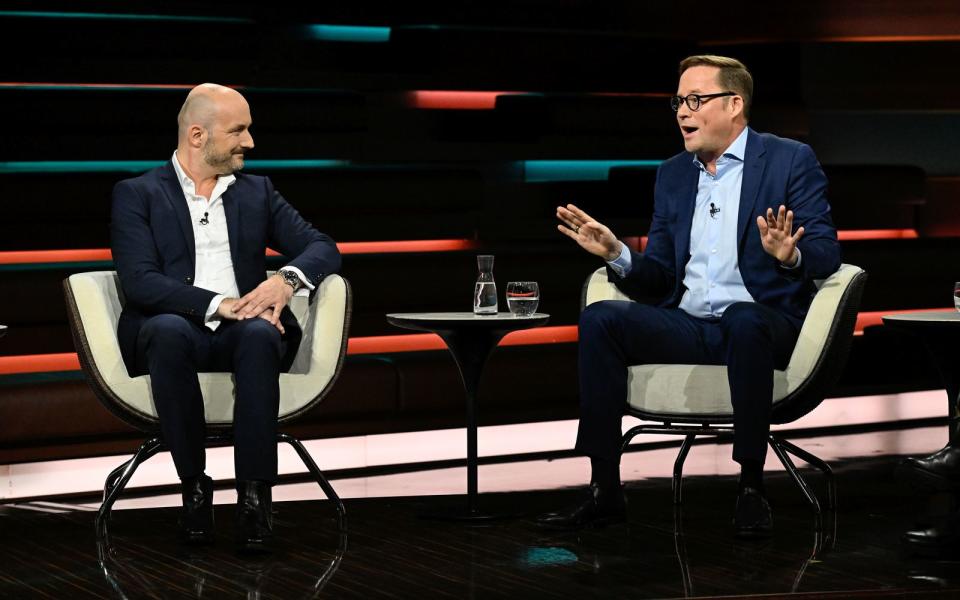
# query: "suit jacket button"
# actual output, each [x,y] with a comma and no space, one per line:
[188,279]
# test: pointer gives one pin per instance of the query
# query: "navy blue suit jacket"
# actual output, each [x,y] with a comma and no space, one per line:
[154,253]
[776,171]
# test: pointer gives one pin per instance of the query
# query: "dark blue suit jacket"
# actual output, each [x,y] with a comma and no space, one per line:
[153,249]
[776,171]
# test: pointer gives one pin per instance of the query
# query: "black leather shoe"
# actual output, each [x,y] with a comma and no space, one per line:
[600,508]
[254,516]
[938,472]
[753,518]
[935,541]
[196,518]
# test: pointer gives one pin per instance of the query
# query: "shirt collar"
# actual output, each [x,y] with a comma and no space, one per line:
[188,185]
[736,150]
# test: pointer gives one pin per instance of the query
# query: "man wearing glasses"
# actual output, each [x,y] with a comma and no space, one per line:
[731,275]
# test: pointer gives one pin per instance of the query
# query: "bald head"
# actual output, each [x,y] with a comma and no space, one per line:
[203,104]
[214,129]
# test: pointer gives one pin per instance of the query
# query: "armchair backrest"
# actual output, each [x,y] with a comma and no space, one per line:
[95,301]
[822,346]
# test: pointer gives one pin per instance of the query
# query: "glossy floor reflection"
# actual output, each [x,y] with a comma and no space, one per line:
[390,552]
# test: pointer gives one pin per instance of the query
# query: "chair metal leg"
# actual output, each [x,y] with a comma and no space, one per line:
[818,464]
[112,479]
[678,467]
[635,431]
[318,476]
[115,484]
[781,452]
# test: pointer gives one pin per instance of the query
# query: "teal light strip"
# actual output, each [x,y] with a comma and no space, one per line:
[79,166]
[139,166]
[36,14]
[34,378]
[539,171]
[349,33]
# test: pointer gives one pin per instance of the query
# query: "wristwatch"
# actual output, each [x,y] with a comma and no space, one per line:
[291,279]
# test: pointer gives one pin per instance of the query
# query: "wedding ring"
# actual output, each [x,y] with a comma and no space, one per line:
[576,229]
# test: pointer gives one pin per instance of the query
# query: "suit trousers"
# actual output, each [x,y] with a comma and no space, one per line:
[750,339]
[172,350]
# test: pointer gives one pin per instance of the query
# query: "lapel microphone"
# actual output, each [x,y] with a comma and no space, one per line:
[713,212]
[204,220]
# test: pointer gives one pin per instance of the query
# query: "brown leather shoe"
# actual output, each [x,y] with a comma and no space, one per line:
[600,508]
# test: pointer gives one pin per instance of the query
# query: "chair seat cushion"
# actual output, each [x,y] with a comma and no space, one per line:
[687,389]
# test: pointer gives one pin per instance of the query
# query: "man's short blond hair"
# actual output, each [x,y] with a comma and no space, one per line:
[733,75]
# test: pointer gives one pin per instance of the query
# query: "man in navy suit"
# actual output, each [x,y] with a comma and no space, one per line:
[189,241]
[729,276]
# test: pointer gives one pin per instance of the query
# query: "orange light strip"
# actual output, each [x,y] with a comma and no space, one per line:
[868,319]
[858,39]
[388,344]
[847,235]
[459,100]
[103,254]
[39,363]
[379,344]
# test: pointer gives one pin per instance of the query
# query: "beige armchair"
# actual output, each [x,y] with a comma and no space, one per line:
[94,301]
[694,400]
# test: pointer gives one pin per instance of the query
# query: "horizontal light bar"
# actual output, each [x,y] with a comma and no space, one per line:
[381,344]
[45,85]
[539,171]
[104,255]
[349,33]
[140,166]
[35,14]
[487,100]
[847,235]
[455,100]
[848,39]
[388,344]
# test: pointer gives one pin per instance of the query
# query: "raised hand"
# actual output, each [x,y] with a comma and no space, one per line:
[777,236]
[594,237]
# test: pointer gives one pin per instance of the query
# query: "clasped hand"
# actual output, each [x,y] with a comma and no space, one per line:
[266,301]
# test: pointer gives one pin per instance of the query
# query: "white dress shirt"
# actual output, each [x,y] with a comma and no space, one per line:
[214,265]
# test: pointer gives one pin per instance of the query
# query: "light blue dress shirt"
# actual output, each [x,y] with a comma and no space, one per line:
[712,275]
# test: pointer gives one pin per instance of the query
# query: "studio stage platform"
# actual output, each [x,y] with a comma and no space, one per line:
[389,551]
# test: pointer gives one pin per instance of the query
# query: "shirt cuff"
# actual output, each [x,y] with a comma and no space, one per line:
[307,286]
[621,265]
[212,308]
[796,266]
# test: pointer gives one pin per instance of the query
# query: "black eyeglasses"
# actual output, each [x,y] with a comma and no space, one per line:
[695,101]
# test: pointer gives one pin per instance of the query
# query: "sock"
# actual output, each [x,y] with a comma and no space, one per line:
[751,474]
[605,473]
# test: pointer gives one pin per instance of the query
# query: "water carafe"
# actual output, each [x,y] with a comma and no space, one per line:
[485,291]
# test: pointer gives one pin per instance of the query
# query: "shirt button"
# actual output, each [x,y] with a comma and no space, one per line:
[714,251]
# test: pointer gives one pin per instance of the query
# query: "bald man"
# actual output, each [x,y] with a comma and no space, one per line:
[189,239]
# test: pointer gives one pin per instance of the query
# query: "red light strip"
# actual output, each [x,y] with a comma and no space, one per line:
[387,344]
[103,254]
[847,235]
[483,100]
[458,100]
[138,86]
[381,344]
[859,39]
